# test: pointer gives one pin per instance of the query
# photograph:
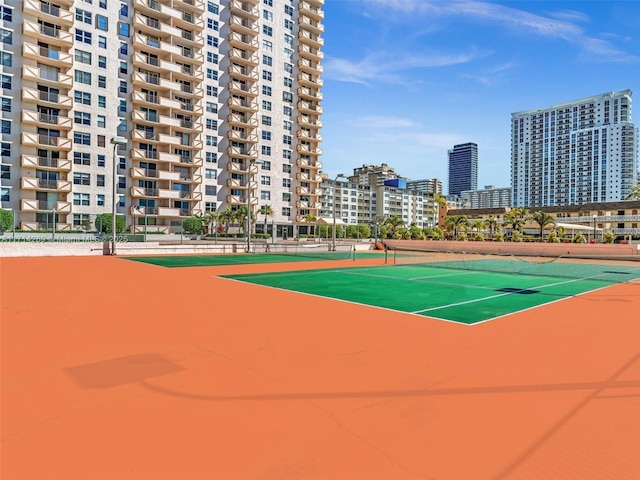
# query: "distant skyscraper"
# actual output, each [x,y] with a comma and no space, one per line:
[573,153]
[489,197]
[463,168]
[431,185]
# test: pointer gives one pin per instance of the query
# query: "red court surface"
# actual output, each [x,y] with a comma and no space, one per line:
[114,369]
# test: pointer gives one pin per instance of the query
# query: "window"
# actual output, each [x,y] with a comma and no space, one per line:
[210,190]
[83,16]
[213,24]
[5,81]
[288,39]
[286,182]
[267,30]
[212,57]
[288,111]
[124,29]
[265,180]
[122,107]
[266,105]
[211,107]
[287,125]
[266,75]
[102,160]
[82,77]
[102,4]
[82,57]
[267,15]
[100,180]
[286,167]
[212,74]
[288,82]
[266,90]
[211,124]
[101,140]
[266,165]
[84,98]
[286,139]
[102,101]
[288,9]
[102,22]
[288,67]
[82,138]
[210,174]
[6,36]
[286,197]
[102,121]
[102,81]
[5,172]
[212,41]
[102,41]
[81,178]
[5,194]
[81,199]
[81,158]
[5,59]
[265,195]
[268,3]
[266,135]
[123,67]
[123,87]
[124,48]
[102,61]
[286,154]
[212,8]
[211,141]
[5,149]
[209,206]
[212,91]
[266,150]
[211,157]
[267,60]
[6,14]
[82,36]
[82,118]
[266,120]
[6,104]
[124,10]
[288,24]
[100,200]
[286,211]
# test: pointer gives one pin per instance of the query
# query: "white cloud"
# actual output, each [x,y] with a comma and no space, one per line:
[382,122]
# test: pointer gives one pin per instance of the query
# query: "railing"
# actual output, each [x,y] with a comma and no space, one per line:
[151,98]
[46,183]
[186,88]
[185,176]
[151,192]
[48,53]
[185,194]
[154,5]
[151,154]
[152,79]
[49,97]
[48,162]
[150,173]
[153,61]
[46,205]
[47,140]
[151,210]
[50,9]
[185,212]
[48,118]
[187,17]
[187,70]
[186,159]
[186,123]
[187,35]
[153,23]
[49,31]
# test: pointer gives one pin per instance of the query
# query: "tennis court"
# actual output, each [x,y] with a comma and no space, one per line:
[464,291]
[302,254]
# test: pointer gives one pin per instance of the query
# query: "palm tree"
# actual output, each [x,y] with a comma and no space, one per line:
[226,218]
[394,223]
[377,222]
[310,219]
[492,223]
[634,194]
[517,217]
[478,224]
[266,210]
[454,223]
[241,216]
[543,219]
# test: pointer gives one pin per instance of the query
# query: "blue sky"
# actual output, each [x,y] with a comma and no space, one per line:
[405,80]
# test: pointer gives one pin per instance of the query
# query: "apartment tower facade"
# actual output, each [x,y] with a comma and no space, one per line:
[463,168]
[218,102]
[573,153]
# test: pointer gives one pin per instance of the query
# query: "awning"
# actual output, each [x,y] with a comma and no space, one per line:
[575,227]
[329,221]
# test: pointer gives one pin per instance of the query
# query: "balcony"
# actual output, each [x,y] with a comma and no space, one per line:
[48,56]
[30,183]
[240,88]
[310,67]
[53,36]
[311,39]
[44,206]
[31,95]
[233,167]
[33,226]
[310,80]
[45,78]
[310,94]
[46,141]
[138,172]
[311,11]
[251,152]
[313,26]
[46,163]
[30,117]
[242,57]
[245,105]
[306,121]
[242,120]
[237,136]
[141,192]
[244,42]
[309,107]
[244,9]
[311,53]
[308,136]
[242,25]
[48,12]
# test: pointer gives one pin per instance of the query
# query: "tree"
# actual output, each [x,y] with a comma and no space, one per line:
[492,223]
[309,219]
[453,223]
[517,217]
[378,222]
[478,224]
[104,222]
[608,237]
[192,225]
[241,215]
[543,220]
[634,194]
[266,210]
[415,232]
[226,218]
[365,231]
[393,223]
[6,220]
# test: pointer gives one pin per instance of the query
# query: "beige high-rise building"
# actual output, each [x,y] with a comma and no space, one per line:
[218,102]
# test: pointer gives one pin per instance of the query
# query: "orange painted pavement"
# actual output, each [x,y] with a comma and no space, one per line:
[114,369]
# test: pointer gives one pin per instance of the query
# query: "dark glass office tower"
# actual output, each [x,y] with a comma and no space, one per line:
[463,168]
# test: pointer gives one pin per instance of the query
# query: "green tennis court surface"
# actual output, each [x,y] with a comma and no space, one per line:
[464,296]
[249,258]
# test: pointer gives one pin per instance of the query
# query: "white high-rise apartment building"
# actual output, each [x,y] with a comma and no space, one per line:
[219,102]
[488,197]
[583,151]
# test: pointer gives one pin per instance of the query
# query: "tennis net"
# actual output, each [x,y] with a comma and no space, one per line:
[605,269]
[315,250]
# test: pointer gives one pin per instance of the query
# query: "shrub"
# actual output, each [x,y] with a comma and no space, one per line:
[192,226]
[553,238]
[608,237]
[516,236]
[478,237]
[463,237]
[579,238]
[498,237]
[104,221]
[6,220]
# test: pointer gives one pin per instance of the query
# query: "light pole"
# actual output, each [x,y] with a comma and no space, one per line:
[594,229]
[249,176]
[333,233]
[115,141]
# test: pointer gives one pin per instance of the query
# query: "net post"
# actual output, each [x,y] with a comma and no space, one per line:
[386,255]
[395,252]
[353,252]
